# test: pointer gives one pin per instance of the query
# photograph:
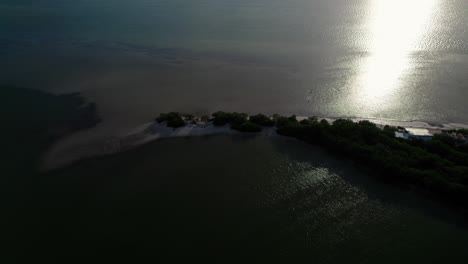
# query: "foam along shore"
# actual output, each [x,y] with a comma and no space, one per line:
[433,128]
[58,157]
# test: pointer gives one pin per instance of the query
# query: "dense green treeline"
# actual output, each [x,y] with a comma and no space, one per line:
[439,165]
[237,121]
[172,119]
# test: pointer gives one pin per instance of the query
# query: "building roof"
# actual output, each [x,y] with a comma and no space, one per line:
[401,135]
[418,132]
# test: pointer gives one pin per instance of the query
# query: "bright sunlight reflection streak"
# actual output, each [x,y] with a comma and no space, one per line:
[396,27]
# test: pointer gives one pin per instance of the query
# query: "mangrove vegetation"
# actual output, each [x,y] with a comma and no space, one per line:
[439,166]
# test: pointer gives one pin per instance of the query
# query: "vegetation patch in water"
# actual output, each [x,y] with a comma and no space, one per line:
[439,165]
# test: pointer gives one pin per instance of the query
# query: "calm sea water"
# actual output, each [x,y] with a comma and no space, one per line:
[401,59]
[238,196]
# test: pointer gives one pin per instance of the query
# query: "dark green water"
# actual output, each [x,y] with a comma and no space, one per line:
[238,196]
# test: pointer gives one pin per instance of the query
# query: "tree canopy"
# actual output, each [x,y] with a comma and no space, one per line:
[439,165]
[172,119]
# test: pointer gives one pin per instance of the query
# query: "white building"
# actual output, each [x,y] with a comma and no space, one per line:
[414,133]
[402,135]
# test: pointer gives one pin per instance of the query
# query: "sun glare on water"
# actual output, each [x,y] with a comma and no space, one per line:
[395,29]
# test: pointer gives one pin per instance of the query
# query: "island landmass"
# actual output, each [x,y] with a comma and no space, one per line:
[438,165]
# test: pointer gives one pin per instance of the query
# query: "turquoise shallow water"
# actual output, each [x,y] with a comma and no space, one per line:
[238,196]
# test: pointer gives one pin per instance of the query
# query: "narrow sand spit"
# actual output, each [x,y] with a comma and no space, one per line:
[60,155]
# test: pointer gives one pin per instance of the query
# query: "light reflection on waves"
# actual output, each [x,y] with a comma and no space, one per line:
[314,196]
[396,30]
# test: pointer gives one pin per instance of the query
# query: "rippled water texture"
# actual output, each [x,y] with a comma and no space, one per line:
[400,59]
[241,196]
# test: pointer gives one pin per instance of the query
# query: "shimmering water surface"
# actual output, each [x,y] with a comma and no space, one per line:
[400,59]
[394,59]
[240,196]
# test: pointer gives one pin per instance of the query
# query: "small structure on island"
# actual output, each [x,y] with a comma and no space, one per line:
[401,134]
[413,133]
